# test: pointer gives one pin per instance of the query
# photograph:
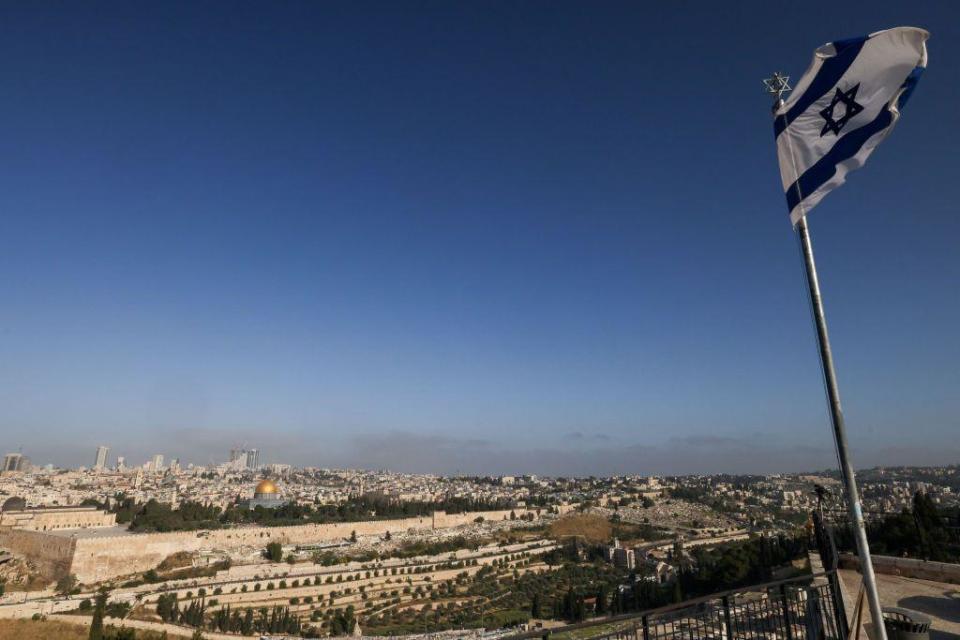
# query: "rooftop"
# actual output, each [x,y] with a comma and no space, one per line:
[939,600]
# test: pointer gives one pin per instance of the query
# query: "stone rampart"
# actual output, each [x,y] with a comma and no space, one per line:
[52,553]
[101,558]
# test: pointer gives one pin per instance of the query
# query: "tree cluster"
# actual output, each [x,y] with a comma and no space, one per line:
[923,532]
[227,620]
[264,620]
[160,517]
[156,516]
[343,622]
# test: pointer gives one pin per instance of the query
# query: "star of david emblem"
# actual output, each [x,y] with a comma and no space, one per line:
[841,109]
[777,84]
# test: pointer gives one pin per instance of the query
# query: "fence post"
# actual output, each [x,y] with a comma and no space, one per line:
[814,628]
[646,628]
[726,617]
[839,610]
[786,611]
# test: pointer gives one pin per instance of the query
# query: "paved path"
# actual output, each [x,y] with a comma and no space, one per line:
[939,600]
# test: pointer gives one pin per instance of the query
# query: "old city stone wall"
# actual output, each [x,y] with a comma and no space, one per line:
[98,559]
[53,554]
[101,558]
[51,519]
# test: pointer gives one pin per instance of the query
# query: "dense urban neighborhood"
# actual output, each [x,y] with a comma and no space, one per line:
[242,548]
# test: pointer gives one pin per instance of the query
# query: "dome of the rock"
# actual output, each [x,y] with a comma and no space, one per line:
[266,488]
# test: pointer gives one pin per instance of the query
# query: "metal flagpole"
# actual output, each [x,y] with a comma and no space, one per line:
[839,432]
[778,85]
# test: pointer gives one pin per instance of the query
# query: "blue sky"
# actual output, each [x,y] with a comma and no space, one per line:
[461,236]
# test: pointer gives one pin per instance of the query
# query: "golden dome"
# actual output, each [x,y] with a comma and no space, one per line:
[266,487]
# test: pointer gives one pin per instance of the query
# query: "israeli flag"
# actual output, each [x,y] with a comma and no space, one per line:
[842,108]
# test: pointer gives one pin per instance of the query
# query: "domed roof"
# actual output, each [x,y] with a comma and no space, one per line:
[14,504]
[266,487]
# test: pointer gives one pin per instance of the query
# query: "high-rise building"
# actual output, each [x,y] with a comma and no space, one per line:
[253,459]
[100,462]
[236,454]
[175,465]
[16,462]
[157,462]
[121,463]
[10,462]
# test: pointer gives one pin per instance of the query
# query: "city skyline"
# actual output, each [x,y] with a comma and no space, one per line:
[410,453]
[509,238]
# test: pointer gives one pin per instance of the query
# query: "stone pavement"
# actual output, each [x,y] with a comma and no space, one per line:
[939,600]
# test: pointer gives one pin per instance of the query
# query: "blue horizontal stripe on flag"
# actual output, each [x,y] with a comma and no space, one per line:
[845,148]
[827,77]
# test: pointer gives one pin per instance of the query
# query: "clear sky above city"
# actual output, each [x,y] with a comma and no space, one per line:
[486,237]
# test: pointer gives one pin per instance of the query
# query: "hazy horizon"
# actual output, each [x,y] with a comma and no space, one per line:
[582,456]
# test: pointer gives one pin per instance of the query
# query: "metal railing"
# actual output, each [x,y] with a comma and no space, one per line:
[784,612]
[807,607]
[801,608]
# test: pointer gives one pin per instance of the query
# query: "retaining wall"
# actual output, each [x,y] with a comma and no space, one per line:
[907,567]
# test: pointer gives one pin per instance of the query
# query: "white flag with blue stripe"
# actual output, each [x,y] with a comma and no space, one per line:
[842,108]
